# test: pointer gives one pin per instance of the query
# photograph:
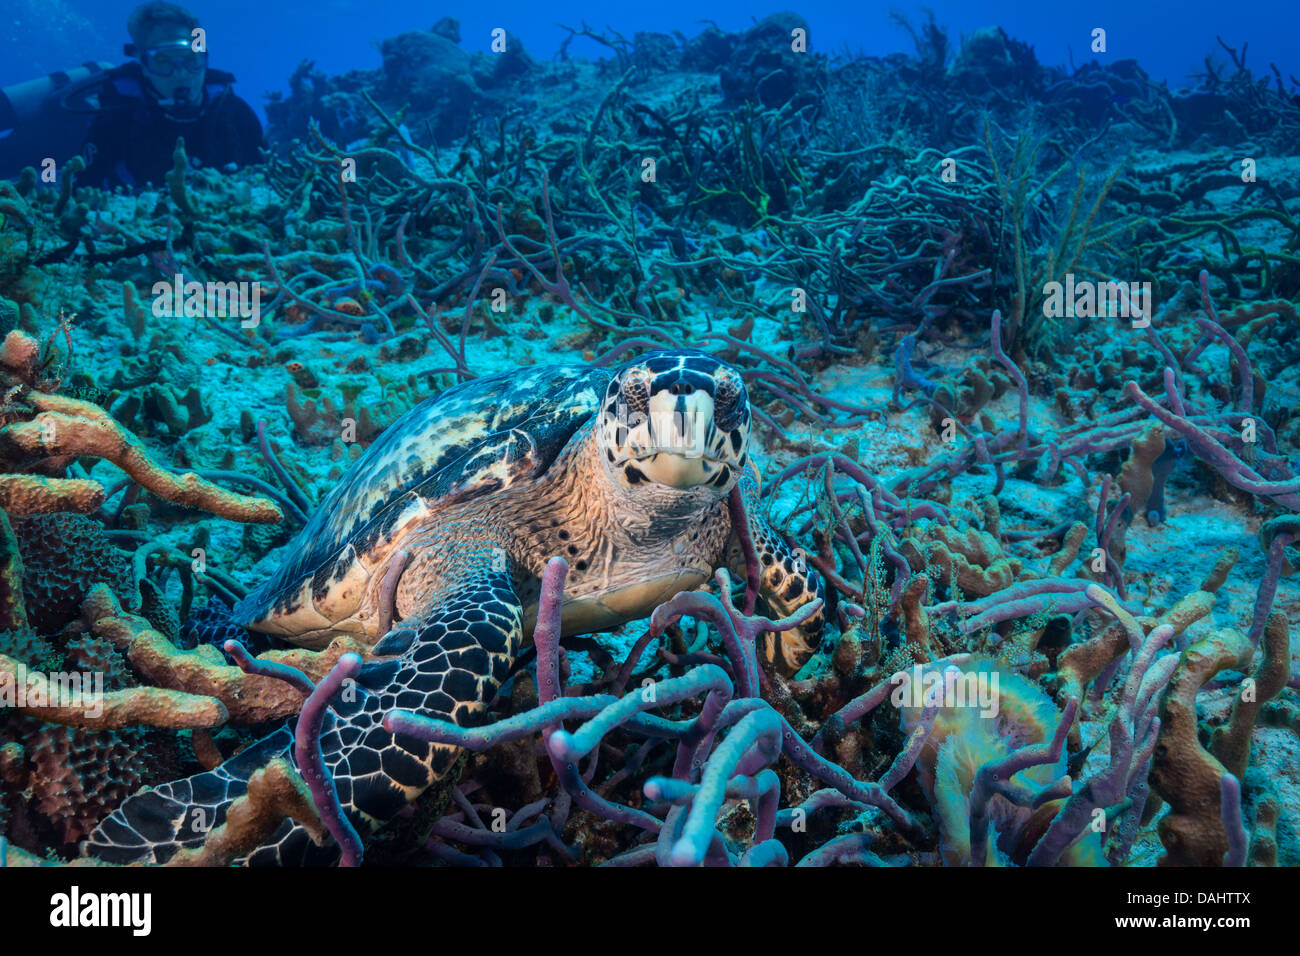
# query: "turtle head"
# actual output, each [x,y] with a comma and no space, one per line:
[676,419]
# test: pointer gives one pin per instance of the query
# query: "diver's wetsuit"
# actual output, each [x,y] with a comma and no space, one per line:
[130,142]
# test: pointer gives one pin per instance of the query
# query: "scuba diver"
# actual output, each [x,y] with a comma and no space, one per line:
[128,118]
[170,92]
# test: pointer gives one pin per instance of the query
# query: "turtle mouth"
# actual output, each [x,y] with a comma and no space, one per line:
[687,454]
[679,469]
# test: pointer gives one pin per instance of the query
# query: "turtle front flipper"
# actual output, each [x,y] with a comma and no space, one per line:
[445,660]
[785,584]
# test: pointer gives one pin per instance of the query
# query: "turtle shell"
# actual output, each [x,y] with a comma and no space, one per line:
[482,436]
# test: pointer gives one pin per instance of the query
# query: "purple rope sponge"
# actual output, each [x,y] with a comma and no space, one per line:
[253,665]
[1204,446]
[1133,731]
[306,739]
[311,760]
[739,632]
[995,776]
[756,739]
[1230,808]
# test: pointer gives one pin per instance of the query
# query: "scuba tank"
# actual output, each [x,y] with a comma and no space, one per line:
[47,116]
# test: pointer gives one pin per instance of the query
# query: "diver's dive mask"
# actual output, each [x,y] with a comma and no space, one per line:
[175,73]
[166,58]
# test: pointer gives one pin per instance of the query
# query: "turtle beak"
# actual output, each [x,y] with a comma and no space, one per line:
[671,445]
[677,425]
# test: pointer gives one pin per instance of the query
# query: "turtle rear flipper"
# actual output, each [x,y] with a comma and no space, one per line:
[448,664]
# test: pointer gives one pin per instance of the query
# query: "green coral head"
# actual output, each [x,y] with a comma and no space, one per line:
[983,713]
[958,687]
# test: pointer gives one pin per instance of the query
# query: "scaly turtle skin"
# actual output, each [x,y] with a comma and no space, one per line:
[625,473]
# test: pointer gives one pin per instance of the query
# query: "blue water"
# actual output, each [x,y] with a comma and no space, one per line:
[262,42]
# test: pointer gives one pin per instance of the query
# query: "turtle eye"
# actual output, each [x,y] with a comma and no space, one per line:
[728,400]
[635,390]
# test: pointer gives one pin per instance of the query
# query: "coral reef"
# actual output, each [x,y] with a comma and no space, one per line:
[1085,516]
[63,556]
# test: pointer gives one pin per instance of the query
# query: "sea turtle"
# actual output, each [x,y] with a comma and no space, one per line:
[625,473]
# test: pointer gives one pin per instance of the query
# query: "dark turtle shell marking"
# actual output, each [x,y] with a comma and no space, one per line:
[482,436]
